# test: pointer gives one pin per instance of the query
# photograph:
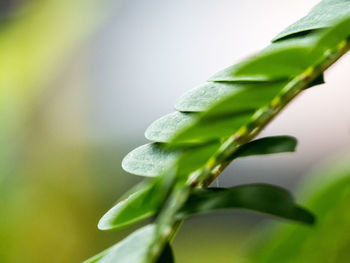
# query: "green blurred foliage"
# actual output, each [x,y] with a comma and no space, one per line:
[327,194]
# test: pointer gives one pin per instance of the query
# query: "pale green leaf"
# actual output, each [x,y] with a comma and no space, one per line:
[150,159]
[163,129]
[206,95]
[132,249]
[322,15]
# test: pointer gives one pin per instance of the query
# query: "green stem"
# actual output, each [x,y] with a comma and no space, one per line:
[167,222]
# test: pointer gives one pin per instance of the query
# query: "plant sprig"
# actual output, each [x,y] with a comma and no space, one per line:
[215,124]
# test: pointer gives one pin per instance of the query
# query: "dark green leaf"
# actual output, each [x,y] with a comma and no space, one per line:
[167,255]
[258,197]
[136,207]
[139,205]
[267,145]
[327,193]
[322,15]
[318,81]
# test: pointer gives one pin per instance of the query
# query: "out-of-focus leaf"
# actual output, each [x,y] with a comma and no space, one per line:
[327,194]
[137,206]
[35,45]
[322,15]
[263,198]
[150,159]
[318,81]
[141,204]
[278,61]
[332,37]
[267,145]
[132,249]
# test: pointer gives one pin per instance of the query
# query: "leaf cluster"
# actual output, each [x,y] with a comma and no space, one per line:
[215,124]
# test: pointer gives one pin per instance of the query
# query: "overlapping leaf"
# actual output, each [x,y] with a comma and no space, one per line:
[153,159]
[323,15]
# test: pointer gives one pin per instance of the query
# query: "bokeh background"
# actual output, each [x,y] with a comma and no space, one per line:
[81,80]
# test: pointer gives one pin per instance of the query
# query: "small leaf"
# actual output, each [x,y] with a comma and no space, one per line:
[318,81]
[136,207]
[206,95]
[155,158]
[250,98]
[208,129]
[132,249]
[151,159]
[140,205]
[278,61]
[163,129]
[321,16]
[267,145]
[258,197]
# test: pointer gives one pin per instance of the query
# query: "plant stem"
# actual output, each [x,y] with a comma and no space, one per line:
[168,224]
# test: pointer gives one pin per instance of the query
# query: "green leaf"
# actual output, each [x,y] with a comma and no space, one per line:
[318,81]
[267,145]
[136,207]
[210,129]
[240,96]
[327,193]
[207,94]
[151,159]
[97,257]
[263,198]
[251,98]
[155,158]
[279,61]
[163,129]
[322,15]
[132,249]
[139,205]
[195,157]
[333,36]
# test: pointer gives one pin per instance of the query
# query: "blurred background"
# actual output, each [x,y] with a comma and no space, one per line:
[81,80]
